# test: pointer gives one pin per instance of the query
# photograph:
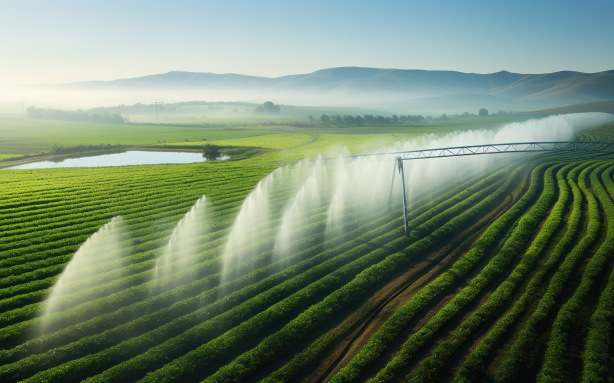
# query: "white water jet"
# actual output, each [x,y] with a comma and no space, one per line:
[104,247]
[253,218]
[308,197]
[368,179]
[181,248]
[356,187]
[336,210]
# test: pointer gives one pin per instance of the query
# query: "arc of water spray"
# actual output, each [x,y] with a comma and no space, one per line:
[367,179]
[180,250]
[100,248]
[253,218]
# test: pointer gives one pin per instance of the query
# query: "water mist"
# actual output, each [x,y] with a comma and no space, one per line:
[253,218]
[102,252]
[351,188]
[179,253]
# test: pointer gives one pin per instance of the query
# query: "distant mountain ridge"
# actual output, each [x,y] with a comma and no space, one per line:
[369,83]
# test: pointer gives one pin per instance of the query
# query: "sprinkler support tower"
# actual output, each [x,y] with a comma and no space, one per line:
[399,161]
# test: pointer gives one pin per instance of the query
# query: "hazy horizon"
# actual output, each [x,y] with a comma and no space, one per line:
[78,41]
[249,46]
[306,73]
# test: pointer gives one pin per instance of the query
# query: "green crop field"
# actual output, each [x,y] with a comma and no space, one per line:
[29,136]
[33,136]
[507,274]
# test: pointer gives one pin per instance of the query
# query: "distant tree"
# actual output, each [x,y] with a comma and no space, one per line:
[267,108]
[310,118]
[369,118]
[419,118]
[349,120]
[380,119]
[429,118]
[324,118]
[359,120]
[388,120]
[403,118]
[395,118]
[271,108]
[116,119]
[338,119]
[211,152]
[444,117]
[483,112]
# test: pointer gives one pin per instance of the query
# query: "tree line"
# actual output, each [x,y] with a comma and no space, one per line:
[350,120]
[76,116]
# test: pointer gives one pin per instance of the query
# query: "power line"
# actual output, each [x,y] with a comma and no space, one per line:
[22,102]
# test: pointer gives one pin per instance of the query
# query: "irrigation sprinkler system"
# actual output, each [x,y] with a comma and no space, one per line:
[458,151]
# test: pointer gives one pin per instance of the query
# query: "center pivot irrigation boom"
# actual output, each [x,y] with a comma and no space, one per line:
[458,151]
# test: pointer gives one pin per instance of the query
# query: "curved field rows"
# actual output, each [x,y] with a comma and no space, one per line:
[507,276]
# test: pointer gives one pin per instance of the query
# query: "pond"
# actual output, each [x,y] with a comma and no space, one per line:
[131,157]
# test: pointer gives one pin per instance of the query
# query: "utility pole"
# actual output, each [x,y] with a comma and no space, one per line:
[22,102]
[156,102]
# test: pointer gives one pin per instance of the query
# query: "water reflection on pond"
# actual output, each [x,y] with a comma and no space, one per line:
[131,157]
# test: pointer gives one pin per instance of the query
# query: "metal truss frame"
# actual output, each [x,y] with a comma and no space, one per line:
[517,147]
[472,150]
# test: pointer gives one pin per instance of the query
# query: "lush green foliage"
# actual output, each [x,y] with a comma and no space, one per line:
[532,240]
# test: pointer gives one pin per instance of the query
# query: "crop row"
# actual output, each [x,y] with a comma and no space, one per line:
[431,366]
[299,361]
[141,237]
[385,228]
[87,180]
[364,247]
[79,215]
[154,234]
[509,367]
[210,261]
[555,353]
[134,212]
[55,204]
[597,350]
[416,208]
[248,284]
[150,238]
[474,365]
[302,325]
[392,327]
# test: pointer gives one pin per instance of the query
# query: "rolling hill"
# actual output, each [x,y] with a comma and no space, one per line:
[397,82]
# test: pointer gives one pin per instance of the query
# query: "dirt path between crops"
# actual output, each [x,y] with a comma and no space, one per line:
[389,298]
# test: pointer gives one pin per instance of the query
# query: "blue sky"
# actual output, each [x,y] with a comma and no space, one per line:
[69,41]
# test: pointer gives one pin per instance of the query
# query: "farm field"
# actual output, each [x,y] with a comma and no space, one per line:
[30,136]
[507,274]
[33,137]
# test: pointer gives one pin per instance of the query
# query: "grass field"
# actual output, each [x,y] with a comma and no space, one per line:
[22,136]
[507,275]
[30,136]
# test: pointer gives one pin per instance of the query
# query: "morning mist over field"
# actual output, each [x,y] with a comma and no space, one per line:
[344,86]
[324,191]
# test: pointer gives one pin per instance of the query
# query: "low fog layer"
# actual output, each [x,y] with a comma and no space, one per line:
[418,89]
